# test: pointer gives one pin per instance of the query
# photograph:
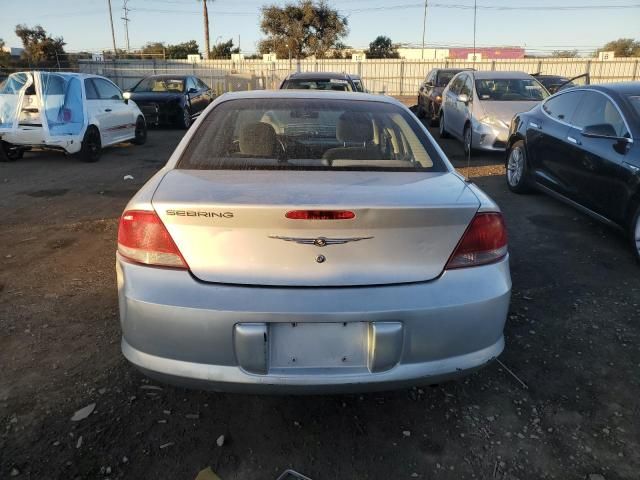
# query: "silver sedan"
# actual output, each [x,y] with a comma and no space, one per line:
[310,242]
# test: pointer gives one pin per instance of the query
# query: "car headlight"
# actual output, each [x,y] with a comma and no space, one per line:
[438,99]
[494,122]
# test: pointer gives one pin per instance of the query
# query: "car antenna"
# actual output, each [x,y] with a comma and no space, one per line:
[475,11]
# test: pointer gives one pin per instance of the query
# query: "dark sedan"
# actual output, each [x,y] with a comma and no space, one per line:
[430,93]
[555,83]
[171,99]
[581,146]
[341,82]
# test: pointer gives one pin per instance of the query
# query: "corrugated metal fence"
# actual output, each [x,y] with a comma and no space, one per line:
[394,77]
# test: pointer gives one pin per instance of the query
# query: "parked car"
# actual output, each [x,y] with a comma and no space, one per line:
[478,106]
[430,93]
[313,260]
[70,112]
[555,83]
[580,146]
[171,99]
[342,82]
[358,83]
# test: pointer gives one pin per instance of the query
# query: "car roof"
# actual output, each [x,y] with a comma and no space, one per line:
[490,75]
[320,75]
[172,77]
[310,94]
[65,74]
[620,88]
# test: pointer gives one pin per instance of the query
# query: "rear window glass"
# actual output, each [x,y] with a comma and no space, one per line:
[310,134]
[336,84]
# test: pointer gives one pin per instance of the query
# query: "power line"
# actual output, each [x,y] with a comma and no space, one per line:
[126,21]
[500,7]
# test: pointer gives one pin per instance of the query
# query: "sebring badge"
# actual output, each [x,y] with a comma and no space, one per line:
[319,241]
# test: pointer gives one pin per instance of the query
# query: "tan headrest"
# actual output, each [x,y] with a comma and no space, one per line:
[258,139]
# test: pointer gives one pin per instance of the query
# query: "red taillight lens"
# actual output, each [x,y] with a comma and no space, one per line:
[320,215]
[143,238]
[485,241]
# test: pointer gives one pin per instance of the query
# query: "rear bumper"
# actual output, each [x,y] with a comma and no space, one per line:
[186,332]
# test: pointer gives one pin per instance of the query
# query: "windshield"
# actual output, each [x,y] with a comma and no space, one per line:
[444,78]
[310,134]
[510,89]
[160,85]
[324,84]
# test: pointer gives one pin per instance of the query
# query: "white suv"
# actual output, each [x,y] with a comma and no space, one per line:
[72,112]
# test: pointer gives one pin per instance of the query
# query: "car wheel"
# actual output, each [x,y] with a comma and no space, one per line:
[635,233]
[467,139]
[141,132]
[433,119]
[10,153]
[441,130]
[91,145]
[517,170]
[185,119]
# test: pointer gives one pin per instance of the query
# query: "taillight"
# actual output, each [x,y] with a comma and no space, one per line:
[485,241]
[143,238]
[320,215]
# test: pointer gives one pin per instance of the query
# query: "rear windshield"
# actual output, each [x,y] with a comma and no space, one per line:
[310,134]
[510,89]
[164,85]
[336,84]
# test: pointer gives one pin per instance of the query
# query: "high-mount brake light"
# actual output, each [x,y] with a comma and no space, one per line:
[485,241]
[143,238]
[320,215]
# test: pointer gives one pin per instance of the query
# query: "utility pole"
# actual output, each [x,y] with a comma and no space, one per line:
[424,26]
[475,11]
[113,35]
[205,11]
[126,22]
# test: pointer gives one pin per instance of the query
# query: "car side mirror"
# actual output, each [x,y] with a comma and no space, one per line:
[428,84]
[601,130]
[192,90]
[464,98]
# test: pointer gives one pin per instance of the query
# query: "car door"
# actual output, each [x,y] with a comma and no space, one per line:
[196,96]
[547,143]
[117,122]
[599,145]
[425,89]
[207,92]
[452,113]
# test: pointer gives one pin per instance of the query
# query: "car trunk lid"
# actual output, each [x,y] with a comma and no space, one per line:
[231,226]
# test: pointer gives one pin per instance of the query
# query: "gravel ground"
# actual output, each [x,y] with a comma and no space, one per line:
[572,342]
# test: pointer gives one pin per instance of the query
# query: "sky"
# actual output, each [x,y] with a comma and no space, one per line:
[542,26]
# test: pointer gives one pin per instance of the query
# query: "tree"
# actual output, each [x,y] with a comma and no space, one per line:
[301,29]
[4,56]
[623,47]
[40,47]
[223,50]
[154,48]
[382,47]
[565,53]
[182,50]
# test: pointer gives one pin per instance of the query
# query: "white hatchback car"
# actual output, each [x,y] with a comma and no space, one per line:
[72,112]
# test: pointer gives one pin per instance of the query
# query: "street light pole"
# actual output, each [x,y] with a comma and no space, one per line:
[424,26]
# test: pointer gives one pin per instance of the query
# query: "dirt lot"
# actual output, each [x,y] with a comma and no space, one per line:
[572,337]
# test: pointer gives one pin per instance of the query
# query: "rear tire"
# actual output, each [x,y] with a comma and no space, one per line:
[441,130]
[91,149]
[517,174]
[185,119]
[634,233]
[141,132]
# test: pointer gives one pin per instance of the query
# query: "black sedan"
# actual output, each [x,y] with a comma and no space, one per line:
[581,146]
[555,83]
[171,99]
